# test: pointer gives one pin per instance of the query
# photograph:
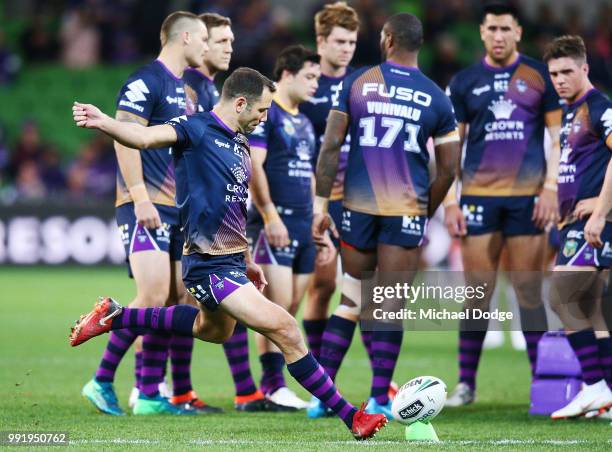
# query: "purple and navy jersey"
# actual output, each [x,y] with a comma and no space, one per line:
[587,124]
[317,110]
[213,168]
[393,110]
[504,109]
[154,94]
[289,140]
[201,89]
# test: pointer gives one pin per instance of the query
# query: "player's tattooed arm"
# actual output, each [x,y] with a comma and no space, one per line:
[447,163]
[327,165]
[130,163]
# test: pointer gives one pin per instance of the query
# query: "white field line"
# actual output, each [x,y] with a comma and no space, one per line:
[248,442]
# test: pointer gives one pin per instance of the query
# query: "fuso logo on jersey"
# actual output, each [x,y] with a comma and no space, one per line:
[137,91]
[399,93]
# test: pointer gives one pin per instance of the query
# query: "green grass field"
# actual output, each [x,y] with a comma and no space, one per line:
[41,378]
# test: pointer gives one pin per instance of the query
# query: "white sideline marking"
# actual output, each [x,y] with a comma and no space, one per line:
[248,442]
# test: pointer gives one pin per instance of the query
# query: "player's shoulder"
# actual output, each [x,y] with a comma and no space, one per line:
[349,78]
[465,77]
[150,72]
[600,107]
[534,63]
[598,100]
[198,120]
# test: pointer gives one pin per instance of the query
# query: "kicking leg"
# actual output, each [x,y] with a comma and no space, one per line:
[252,308]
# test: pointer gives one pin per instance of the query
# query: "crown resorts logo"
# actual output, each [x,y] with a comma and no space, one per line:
[502,108]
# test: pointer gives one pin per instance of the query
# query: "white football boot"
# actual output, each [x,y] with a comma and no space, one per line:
[134,393]
[163,388]
[461,396]
[286,397]
[493,339]
[590,398]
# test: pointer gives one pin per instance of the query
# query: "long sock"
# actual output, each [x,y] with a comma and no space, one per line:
[386,346]
[137,369]
[470,346]
[177,319]
[604,346]
[118,343]
[336,341]
[272,376]
[366,338]
[309,373]
[237,353]
[314,330]
[154,356]
[532,338]
[181,349]
[585,347]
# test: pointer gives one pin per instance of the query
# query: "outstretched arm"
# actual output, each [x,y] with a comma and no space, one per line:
[129,134]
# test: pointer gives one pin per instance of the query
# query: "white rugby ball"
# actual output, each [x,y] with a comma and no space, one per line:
[421,399]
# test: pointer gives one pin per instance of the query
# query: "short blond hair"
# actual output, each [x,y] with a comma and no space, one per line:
[337,14]
[172,24]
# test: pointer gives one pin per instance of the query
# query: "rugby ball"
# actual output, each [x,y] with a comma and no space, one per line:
[421,399]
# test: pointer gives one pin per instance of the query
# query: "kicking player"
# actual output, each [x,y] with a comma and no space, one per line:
[148,219]
[201,80]
[586,142]
[390,111]
[508,192]
[279,224]
[212,160]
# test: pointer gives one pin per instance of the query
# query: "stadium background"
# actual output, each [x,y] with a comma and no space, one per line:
[56,206]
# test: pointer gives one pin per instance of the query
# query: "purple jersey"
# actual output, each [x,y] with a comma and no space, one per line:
[504,109]
[587,124]
[213,167]
[317,110]
[289,140]
[154,94]
[393,110]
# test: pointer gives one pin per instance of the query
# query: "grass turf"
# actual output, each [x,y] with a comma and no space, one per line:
[41,378]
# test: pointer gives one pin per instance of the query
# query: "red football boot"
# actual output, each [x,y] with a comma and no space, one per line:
[367,425]
[96,322]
